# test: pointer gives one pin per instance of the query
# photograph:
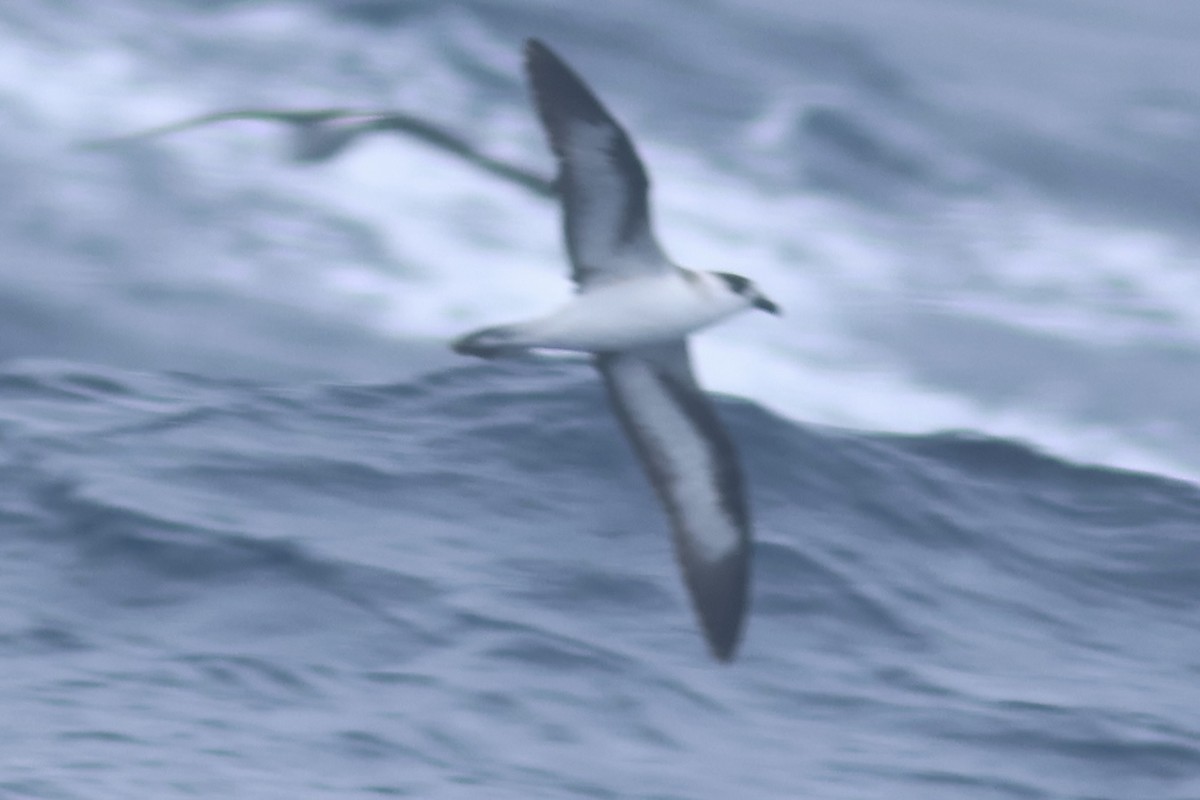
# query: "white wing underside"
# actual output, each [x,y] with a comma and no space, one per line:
[602,182]
[693,467]
[609,234]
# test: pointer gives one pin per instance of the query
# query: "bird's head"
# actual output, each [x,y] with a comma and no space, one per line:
[745,289]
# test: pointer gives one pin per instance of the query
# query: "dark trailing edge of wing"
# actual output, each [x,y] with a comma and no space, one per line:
[718,589]
[563,99]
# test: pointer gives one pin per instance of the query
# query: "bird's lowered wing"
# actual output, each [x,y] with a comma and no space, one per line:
[693,466]
[601,179]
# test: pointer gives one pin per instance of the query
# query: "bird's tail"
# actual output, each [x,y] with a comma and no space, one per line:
[501,340]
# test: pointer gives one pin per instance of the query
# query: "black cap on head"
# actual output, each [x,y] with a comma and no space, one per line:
[745,288]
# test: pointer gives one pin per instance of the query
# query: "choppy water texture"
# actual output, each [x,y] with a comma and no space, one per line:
[262,536]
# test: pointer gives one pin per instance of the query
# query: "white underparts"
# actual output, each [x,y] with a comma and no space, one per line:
[633,313]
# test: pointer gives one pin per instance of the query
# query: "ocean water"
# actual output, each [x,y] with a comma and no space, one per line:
[264,536]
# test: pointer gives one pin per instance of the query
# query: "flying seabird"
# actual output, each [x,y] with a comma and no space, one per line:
[320,134]
[633,311]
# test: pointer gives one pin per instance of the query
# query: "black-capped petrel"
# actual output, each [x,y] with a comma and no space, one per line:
[633,311]
[320,134]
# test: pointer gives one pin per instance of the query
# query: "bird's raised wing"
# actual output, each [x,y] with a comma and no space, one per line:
[601,180]
[693,466]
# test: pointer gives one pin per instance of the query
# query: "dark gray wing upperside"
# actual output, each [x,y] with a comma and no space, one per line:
[601,180]
[693,466]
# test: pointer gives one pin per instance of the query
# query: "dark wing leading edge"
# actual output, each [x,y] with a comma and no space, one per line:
[601,179]
[693,466]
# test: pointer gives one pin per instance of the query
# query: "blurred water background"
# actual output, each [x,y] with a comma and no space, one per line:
[263,536]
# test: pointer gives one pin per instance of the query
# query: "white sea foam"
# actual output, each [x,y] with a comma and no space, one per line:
[398,238]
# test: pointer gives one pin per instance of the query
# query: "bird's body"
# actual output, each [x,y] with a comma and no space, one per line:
[634,310]
[619,316]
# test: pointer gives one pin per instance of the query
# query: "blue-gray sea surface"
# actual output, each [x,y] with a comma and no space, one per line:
[263,536]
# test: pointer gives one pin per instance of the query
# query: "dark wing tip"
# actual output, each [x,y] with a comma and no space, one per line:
[718,593]
[558,91]
[538,57]
[536,48]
